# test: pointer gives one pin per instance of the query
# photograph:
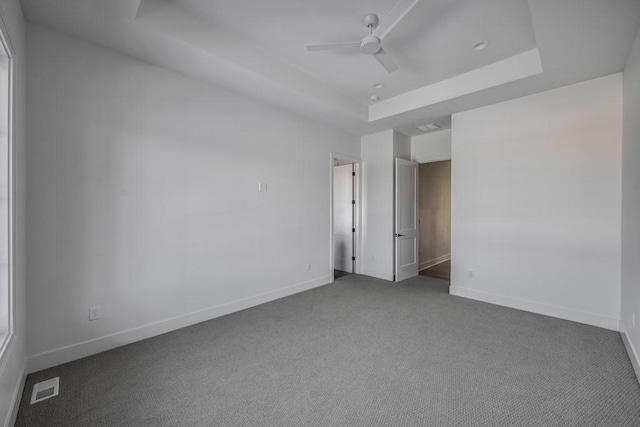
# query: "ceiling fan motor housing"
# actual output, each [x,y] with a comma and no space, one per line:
[370,45]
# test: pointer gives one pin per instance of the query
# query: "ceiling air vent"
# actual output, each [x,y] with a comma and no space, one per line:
[429,127]
[44,390]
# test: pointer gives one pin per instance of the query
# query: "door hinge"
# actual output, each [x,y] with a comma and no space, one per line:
[353,230]
[353,174]
[353,202]
[353,258]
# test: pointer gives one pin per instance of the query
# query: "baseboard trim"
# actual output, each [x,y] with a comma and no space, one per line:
[537,307]
[435,261]
[72,352]
[631,351]
[377,274]
[17,395]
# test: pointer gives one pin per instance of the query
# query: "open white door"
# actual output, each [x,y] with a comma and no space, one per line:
[406,219]
[343,228]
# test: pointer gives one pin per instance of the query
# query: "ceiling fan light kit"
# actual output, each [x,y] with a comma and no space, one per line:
[371,44]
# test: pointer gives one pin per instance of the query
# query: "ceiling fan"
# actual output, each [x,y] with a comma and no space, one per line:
[371,44]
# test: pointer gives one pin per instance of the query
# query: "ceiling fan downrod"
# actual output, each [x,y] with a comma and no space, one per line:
[370,44]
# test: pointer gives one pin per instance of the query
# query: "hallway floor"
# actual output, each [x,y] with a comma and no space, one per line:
[440,271]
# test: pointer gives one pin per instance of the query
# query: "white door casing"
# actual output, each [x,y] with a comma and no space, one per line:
[406,219]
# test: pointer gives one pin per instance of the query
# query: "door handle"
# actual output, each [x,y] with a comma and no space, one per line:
[399,235]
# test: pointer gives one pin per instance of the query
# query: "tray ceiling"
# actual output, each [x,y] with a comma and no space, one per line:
[259,49]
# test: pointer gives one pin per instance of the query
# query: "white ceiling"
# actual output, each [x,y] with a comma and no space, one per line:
[258,48]
[432,43]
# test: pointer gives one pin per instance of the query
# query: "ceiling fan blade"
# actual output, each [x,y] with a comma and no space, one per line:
[398,12]
[334,46]
[386,60]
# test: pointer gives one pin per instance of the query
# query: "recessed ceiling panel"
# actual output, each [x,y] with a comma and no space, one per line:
[433,42]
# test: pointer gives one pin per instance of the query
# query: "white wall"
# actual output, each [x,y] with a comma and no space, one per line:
[401,146]
[378,153]
[536,202]
[13,365]
[143,199]
[631,204]
[431,147]
[377,190]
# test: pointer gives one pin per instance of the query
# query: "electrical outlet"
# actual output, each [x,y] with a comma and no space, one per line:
[472,273]
[94,313]
[308,267]
[262,187]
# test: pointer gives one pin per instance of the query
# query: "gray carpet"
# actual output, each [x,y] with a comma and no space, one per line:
[359,352]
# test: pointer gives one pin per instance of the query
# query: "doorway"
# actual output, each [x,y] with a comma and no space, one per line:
[345,209]
[434,213]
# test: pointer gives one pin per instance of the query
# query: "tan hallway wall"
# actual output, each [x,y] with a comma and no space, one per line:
[435,212]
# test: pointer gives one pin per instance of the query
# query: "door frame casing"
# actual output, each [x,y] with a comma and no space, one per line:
[9,291]
[358,211]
